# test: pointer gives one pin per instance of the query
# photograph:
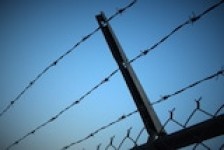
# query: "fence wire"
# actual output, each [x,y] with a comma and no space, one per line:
[191,20]
[123,117]
[185,124]
[128,137]
[162,99]
[52,119]
[171,120]
[55,62]
[166,97]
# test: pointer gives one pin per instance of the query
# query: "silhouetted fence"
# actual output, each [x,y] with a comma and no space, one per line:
[216,129]
[192,134]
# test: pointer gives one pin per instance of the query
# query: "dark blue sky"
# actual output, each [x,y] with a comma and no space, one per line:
[35,33]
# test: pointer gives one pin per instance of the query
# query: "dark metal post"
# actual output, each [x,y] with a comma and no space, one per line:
[148,115]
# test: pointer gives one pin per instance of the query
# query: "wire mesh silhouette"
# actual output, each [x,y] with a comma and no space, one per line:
[162,99]
[173,121]
[128,136]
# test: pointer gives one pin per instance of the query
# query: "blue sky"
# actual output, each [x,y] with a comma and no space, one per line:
[35,33]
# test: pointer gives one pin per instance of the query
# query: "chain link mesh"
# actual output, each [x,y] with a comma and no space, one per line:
[133,140]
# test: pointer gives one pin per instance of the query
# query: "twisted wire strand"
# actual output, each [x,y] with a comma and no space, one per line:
[54,63]
[123,117]
[170,119]
[191,20]
[164,98]
[63,110]
[145,52]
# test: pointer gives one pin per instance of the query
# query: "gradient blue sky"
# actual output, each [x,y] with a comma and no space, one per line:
[35,33]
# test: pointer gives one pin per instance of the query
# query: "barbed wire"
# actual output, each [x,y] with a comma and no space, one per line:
[171,119]
[145,52]
[54,63]
[191,20]
[164,98]
[63,110]
[120,11]
[123,117]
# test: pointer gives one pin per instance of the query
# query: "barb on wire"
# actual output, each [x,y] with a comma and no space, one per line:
[121,10]
[166,97]
[145,52]
[54,63]
[192,19]
[171,119]
[220,72]
[107,79]
[63,110]
[123,117]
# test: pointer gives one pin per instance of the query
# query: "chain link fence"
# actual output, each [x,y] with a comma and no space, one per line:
[130,141]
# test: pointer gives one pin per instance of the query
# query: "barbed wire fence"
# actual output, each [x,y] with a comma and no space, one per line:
[60,58]
[171,119]
[166,97]
[128,137]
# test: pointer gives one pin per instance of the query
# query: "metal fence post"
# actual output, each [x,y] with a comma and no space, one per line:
[148,115]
